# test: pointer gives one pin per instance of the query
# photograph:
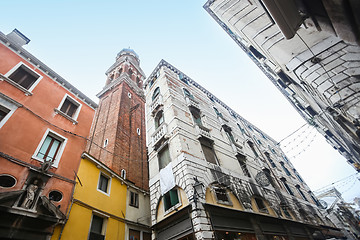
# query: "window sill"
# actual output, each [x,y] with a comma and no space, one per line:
[18,86]
[54,165]
[133,206]
[57,111]
[167,212]
[105,193]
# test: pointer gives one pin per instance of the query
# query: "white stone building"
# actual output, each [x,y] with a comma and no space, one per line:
[214,175]
[310,51]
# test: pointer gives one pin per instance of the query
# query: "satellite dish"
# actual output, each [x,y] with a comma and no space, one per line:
[323,204]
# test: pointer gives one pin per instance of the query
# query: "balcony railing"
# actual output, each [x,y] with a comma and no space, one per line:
[203,131]
[157,102]
[192,102]
[159,134]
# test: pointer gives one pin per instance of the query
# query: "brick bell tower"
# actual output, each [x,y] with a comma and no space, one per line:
[118,130]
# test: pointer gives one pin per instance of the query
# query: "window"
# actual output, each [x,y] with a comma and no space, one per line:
[159,119]
[219,114]
[23,76]
[261,205]
[97,228]
[286,212]
[251,145]
[301,193]
[69,107]
[242,162]
[196,115]
[270,160]
[221,195]
[164,157]
[285,169]
[287,187]
[134,234]
[50,148]
[123,173]
[138,131]
[55,196]
[208,150]
[314,199]
[269,177]
[104,183]
[7,181]
[7,108]
[227,130]
[297,175]
[171,199]
[156,93]
[241,129]
[188,94]
[3,112]
[106,142]
[134,199]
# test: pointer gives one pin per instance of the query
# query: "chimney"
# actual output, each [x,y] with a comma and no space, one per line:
[17,37]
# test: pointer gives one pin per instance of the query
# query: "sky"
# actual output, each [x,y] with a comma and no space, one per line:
[80,39]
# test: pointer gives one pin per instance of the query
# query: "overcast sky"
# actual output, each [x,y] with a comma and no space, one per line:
[80,39]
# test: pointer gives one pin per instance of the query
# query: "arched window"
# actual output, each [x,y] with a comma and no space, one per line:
[130,72]
[196,115]
[227,130]
[156,93]
[138,82]
[159,119]
[188,94]
[219,114]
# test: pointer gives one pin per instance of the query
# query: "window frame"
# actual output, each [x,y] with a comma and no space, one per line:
[136,197]
[31,88]
[77,111]
[104,223]
[172,208]
[8,105]
[217,188]
[264,210]
[107,193]
[60,151]
[209,145]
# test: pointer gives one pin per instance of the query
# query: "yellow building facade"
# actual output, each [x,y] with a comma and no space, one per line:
[99,206]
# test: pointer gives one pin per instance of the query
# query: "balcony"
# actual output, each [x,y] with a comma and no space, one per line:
[156,103]
[237,148]
[192,103]
[159,134]
[203,132]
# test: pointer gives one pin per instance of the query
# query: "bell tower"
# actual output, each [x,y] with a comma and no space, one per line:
[117,137]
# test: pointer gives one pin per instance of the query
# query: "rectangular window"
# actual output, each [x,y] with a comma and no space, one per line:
[134,199]
[69,108]
[171,199]
[288,189]
[134,234]
[7,108]
[97,228]
[50,148]
[104,183]
[164,157]
[3,112]
[24,77]
[208,151]
[221,195]
[301,193]
[261,206]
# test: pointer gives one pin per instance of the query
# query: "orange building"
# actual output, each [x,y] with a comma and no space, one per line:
[44,123]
